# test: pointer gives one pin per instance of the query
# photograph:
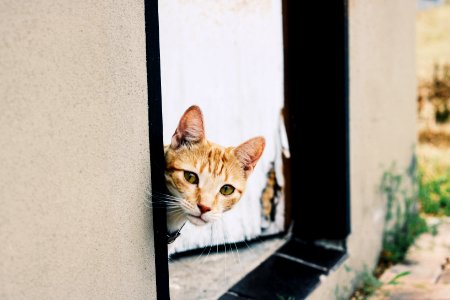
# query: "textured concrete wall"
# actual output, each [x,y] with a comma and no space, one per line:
[74,151]
[382,123]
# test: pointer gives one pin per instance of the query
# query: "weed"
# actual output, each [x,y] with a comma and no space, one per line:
[403,221]
[403,224]
[434,229]
[369,284]
[395,280]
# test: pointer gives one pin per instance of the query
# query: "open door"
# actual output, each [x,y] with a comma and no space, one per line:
[224,57]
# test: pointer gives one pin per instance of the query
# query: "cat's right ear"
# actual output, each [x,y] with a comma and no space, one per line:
[190,129]
[250,152]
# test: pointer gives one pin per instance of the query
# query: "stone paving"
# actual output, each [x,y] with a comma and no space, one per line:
[429,263]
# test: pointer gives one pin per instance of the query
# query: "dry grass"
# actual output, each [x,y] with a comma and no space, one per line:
[438,139]
[433,39]
[433,151]
[433,47]
[430,154]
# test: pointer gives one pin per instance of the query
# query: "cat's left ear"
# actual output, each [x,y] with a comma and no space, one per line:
[190,129]
[250,152]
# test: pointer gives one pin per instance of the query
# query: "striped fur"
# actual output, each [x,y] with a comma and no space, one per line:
[215,167]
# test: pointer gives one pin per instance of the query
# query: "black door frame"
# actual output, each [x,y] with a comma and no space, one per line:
[316,97]
[157,161]
[316,91]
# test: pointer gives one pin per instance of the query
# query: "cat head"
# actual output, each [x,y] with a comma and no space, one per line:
[206,178]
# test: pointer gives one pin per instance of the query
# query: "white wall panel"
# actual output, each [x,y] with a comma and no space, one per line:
[226,57]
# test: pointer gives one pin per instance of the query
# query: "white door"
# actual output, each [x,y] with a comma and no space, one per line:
[227,57]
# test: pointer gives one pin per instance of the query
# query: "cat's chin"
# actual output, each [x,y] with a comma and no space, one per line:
[196,220]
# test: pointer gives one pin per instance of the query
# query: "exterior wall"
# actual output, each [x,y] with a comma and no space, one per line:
[74,151]
[382,124]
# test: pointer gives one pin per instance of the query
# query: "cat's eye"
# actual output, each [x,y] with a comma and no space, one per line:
[191,177]
[227,190]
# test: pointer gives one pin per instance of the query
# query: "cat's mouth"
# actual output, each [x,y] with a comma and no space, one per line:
[196,220]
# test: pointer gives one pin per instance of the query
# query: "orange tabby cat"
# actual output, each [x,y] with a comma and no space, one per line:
[205,179]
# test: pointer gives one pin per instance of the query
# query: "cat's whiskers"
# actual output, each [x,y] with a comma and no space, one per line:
[186,206]
[174,208]
[149,204]
[226,269]
[225,233]
[237,252]
[169,198]
[162,201]
[249,247]
[225,246]
[210,245]
[177,214]
[204,248]
[165,198]
[189,206]
[216,241]
[160,205]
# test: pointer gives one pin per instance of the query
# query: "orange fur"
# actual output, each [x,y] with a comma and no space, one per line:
[215,167]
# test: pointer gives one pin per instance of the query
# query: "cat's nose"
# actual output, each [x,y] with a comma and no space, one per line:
[203,208]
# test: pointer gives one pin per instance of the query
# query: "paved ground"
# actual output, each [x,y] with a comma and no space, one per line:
[429,263]
[209,275]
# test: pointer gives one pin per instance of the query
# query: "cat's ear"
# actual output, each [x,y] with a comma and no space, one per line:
[249,153]
[190,129]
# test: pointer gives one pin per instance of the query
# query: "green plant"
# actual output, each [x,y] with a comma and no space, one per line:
[403,220]
[434,191]
[403,224]
[369,284]
[395,279]
[433,229]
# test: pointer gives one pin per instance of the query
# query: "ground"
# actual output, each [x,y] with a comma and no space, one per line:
[428,267]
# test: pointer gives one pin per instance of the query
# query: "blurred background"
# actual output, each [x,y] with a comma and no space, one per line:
[433,106]
[414,273]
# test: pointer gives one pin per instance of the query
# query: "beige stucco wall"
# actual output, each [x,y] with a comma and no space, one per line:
[382,124]
[74,157]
